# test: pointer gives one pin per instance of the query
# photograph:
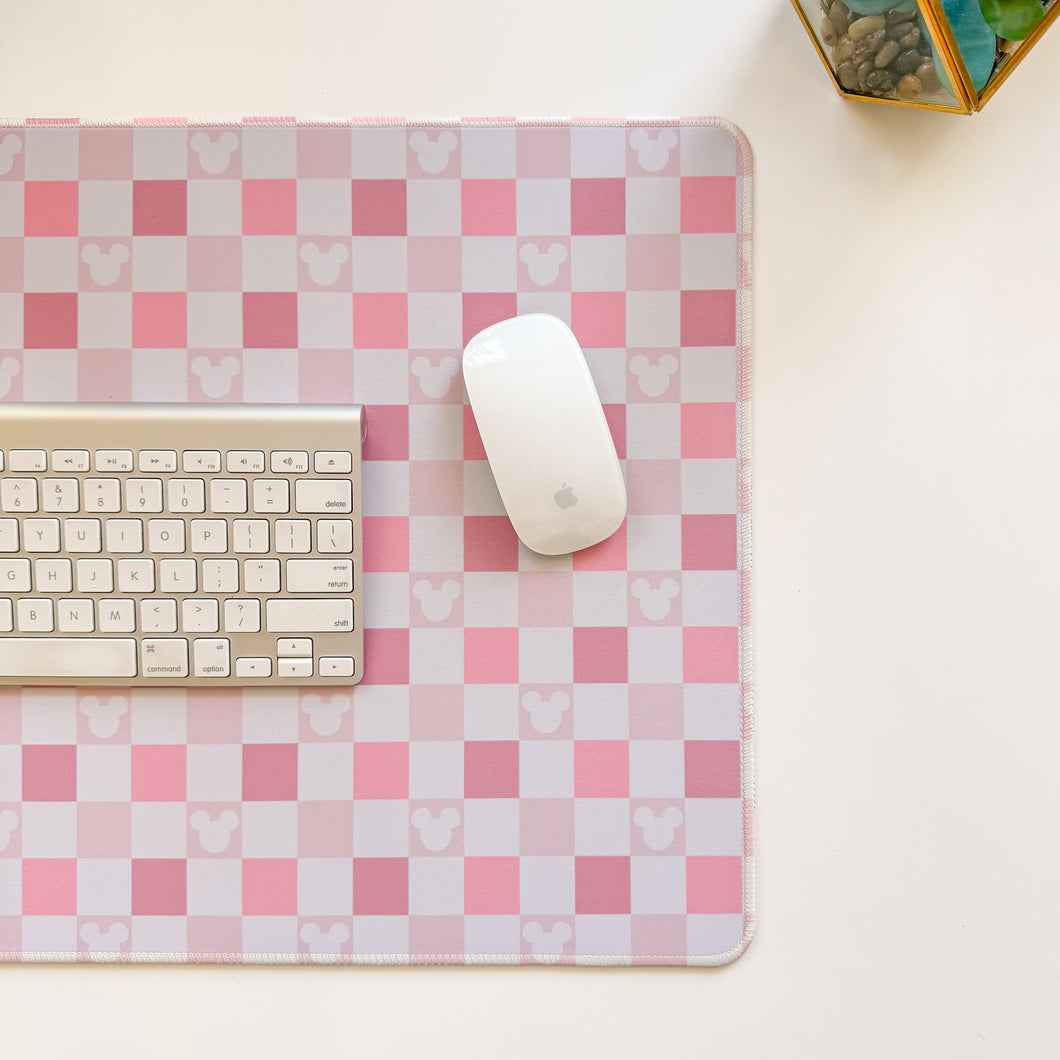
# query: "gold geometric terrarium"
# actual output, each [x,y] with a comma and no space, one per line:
[948,55]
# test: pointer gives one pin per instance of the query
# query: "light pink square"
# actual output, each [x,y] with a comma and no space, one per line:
[601,769]
[380,321]
[104,830]
[598,318]
[49,886]
[325,829]
[105,154]
[711,654]
[434,263]
[546,827]
[491,656]
[10,716]
[270,886]
[215,263]
[381,770]
[325,375]
[51,207]
[214,937]
[545,711]
[324,152]
[491,885]
[653,487]
[546,598]
[653,262]
[104,375]
[214,830]
[215,375]
[656,712]
[714,884]
[542,151]
[270,207]
[12,264]
[214,717]
[436,487]
[708,430]
[159,773]
[160,319]
[434,938]
[386,542]
[487,207]
[663,939]
[436,712]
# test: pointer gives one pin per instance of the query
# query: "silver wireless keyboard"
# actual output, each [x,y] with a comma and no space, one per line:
[190,545]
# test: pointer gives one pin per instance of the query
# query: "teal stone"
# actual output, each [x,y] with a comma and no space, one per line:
[877,7]
[976,41]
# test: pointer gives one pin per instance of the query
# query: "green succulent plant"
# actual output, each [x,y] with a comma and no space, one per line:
[1012,19]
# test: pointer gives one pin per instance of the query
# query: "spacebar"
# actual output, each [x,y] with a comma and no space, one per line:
[67,657]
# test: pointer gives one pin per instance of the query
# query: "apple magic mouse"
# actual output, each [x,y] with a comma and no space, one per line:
[544,432]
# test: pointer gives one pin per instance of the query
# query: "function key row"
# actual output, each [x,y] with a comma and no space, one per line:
[203,461]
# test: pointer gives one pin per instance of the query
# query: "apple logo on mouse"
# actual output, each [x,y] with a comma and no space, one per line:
[564,497]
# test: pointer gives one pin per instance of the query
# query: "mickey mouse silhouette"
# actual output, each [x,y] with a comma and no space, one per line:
[214,157]
[655,601]
[436,833]
[433,155]
[9,368]
[104,944]
[546,714]
[325,946]
[8,823]
[435,379]
[659,831]
[653,379]
[653,154]
[324,266]
[326,717]
[436,604]
[105,269]
[543,266]
[547,945]
[104,716]
[10,146]
[215,379]
[214,836]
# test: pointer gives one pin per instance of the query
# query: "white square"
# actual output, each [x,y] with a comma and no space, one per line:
[653,205]
[546,886]
[436,886]
[656,769]
[380,153]
[160,263]
[436,543]
[709,261]
[653,319]
[215,207]
[433,208]
[10,782]
[714,827]
[491,827]
[598,151]
[270,152]
[215,320]
[325,320]
[381,828]
[492,936]
[601,598]
[159,830]
[436,432]
[491,712]
[708,151]
[270,829]
[374,935]
[556,303]
[104,321]
[215,772]
[381,713]
[270,375]
[325,207]
[603,935]
[380,263]
[325,771]
[166,936]
[653,431]
[50,263]
[325,887]
[435,319]
[380,378]
[710,597]
[160,153]
[49,715]
[11,890]
[709,486]
[51,153]
[601,712]
[602,827]
[49,934]
[598,263]
[436,770]
[49,375]
[542,207]
[386,485]
[11,335]
[104,208]
[159,715]
[712,712]
[481,496]
[709,374]
[488,263]
[546,769]
[655,655]
[270,715]
[657,885]
[49,829]
[104,774]
[270,936]
[487,152]
[159,375]
[386,601]
[436,656]
[270,263]
[215,887]
[104,887]
[653,542]
[711,934]
[546,655]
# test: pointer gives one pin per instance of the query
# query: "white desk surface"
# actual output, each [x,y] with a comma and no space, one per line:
[907,534]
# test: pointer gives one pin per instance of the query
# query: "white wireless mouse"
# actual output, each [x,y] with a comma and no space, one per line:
[545,434]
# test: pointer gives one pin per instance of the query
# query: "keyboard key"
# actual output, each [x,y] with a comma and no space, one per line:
[14,576]
[294,667]
[329,462]
[242,616]
[136,575]
[228,495]
[288,461]
[76,616]
[143,494]
[313,496]
[271,495]
[35,616]
[293,535]
[8,535]
[186,495]
[83,535]
[102,495]
[125,535]
[319,576]
[114,460]
[250,535]
[117,616]
[67,657]
[158,616]
[61,495]
[95,576]
[199,615]
[334,535]
[245,461]
[220,575]
[18,495]
[53,575]
[209,535]
[40,535]
[308,616]
[296,647]
[158,460]
[202,460]
[70,460]
[7,616]
[177,575]
[165,535]
[164,657]
[261,576]
[212,657]
[335,666]
[253,666]
[27,460]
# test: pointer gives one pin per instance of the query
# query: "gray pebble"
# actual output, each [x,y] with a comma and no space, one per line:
[908,62]
[887,54]
[847,73]
[862,27]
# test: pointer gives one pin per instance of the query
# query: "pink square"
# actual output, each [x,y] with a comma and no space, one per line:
[436,712]
[708,430]
[490,543]
[708,318]
[214,938]
[160,319]
[12,270]
[491,656]
[654,486]
[491,885]
[659,938]
[270,207]
[714,884]
[215,263]
[481,310]
[10,934]
[386,542]
[542,151]
[104,375]
[214,716]
[49,886]
[546,598]
[379,208]
[270,772]
[436,487]
[656,712]
[609,554]
[435,938]
[325,375]
[324,152]
[473,447]
[159,887]
[381,321]
[712,769]
[602,885]
[387,654]
[616,423]
[104,830]
[597,206]
[380,887]
[51,207]
[600,654]
[601,769]
[49,773]
[159,773]
[487,207]
[270,320]
[546,827]
[491,769]
[160,207]
[389,437]
[711,654]
[49,321]
[105,154]
[708,204]
[381,770]
[598,319]
[708,542]
[270,887]
[434,263]
[10,715]
[653,263]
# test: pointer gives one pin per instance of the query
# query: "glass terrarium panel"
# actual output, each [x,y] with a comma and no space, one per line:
[990,33]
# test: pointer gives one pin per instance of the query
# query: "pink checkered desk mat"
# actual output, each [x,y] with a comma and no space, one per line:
[548,758]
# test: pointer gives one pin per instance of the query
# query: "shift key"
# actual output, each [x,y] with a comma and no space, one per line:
[308,616]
